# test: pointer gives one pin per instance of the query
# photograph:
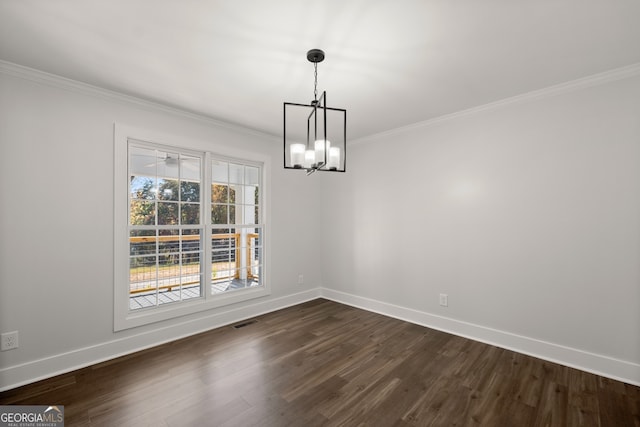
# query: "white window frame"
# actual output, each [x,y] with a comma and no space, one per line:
[124,318]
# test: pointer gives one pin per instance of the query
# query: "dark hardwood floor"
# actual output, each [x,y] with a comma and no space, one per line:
[323,363]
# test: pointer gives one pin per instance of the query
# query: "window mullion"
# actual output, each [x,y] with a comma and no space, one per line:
[205,214]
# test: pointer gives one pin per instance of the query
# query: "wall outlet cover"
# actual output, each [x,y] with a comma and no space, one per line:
[8,341]
[444,300]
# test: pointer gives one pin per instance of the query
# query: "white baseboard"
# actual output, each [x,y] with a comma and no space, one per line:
[28,372]
[605,366]
[25,373]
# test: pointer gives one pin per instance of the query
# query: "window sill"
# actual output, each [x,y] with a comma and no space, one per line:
[170,311]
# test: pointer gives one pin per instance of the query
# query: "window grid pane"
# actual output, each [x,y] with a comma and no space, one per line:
[236,196]
[165,256]
[237,263]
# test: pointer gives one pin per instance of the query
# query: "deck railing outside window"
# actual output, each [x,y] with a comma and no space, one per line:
[170,273]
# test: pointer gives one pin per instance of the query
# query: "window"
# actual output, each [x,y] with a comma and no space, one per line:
[236,229]
[165,226]
[189,246]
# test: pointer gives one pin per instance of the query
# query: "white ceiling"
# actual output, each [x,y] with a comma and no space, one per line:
[389,63]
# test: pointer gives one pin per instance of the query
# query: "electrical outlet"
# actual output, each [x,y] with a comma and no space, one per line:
[300,279]
[444,300]
[9,341]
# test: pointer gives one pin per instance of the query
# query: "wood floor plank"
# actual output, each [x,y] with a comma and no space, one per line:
[553,407]
[326,364]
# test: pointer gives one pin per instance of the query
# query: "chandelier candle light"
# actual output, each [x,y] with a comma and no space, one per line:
[315,135]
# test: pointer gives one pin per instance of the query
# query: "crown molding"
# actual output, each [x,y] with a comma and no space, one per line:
[38,76]
[55,80]
[551,91]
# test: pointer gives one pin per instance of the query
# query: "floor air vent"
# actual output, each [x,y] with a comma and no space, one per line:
[243,324]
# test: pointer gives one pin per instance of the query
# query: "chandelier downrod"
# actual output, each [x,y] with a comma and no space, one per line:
[315,56]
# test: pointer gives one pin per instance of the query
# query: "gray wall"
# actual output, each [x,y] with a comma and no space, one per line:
[527,214]
[57,232]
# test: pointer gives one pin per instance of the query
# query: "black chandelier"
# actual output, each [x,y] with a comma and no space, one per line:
[315,135]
